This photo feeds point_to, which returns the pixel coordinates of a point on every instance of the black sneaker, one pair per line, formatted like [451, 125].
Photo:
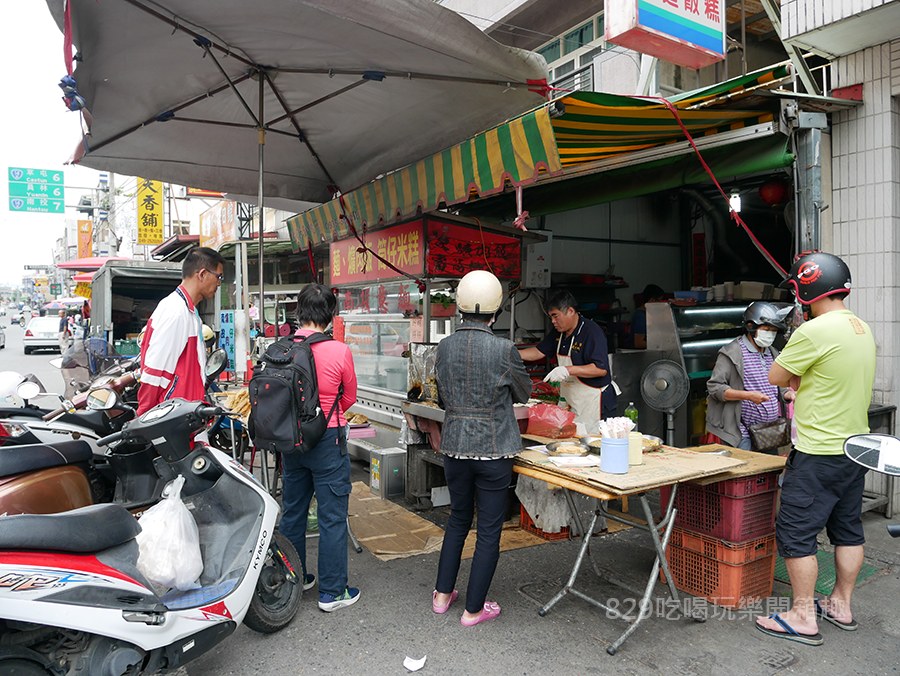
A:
[330, 603]
[309, 581]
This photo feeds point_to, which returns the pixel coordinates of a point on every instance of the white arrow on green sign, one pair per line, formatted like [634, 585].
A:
[36, 190]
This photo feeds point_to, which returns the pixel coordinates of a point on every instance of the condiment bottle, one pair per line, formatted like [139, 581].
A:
[635, 448]
[632, 413]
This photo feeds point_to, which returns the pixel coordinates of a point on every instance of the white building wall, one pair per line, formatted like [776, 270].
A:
[866, 202]
[802, 16]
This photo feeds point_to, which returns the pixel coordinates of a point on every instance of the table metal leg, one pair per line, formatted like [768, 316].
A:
[660, 542]
[585, 543]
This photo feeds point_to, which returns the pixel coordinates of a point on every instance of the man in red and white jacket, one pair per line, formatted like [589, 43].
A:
[173, 355]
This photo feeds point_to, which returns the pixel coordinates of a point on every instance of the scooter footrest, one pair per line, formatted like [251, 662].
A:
[178, 600]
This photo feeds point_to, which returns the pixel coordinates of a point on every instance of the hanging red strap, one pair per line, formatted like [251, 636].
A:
[345, 214]
[312, 265]
[735, 215]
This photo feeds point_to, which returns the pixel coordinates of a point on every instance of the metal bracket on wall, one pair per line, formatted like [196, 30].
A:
[803, 71]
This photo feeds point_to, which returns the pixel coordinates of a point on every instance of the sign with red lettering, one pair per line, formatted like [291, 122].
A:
[402, 245]
[454, 250]
[689, 33]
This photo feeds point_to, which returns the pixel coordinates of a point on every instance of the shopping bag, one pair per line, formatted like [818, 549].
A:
[547, 420]
[170, 543]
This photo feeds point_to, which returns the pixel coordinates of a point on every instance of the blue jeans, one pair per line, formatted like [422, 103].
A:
[487, 483]
[325, 471]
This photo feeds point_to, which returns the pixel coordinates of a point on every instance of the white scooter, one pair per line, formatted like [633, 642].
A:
[878, 452]
[72, 600]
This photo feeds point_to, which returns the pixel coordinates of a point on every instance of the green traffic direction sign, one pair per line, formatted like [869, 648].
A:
[36, 190]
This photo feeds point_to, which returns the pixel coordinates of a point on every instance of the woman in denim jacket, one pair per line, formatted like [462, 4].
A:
[479, 378]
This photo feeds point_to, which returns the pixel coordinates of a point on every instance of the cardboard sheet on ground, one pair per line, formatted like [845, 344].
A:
[670, 465]
[390, 532]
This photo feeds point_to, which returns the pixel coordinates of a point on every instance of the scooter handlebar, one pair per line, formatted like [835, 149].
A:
[106, 441]
[80, 401]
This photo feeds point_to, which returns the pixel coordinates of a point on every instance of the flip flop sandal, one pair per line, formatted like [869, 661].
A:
[790, 634]
[490, 611]
[852, 625]
[440, 610]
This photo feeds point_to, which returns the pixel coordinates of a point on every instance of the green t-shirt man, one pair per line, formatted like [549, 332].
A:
[835, 356]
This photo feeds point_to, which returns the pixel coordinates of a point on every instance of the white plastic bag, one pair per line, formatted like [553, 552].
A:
[170, 543]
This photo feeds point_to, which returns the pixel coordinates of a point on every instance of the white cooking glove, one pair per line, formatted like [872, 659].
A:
[557, 375]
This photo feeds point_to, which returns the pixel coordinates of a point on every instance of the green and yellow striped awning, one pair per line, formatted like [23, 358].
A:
[593, 126]
[514, 152]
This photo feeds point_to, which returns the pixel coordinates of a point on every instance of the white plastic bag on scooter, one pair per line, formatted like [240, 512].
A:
[170, 543]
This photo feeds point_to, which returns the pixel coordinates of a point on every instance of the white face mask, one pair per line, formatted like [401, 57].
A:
[764, 338]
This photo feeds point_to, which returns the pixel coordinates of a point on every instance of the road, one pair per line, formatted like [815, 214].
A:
[13, 358]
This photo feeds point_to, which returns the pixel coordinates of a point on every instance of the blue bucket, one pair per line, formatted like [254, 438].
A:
[614, 456]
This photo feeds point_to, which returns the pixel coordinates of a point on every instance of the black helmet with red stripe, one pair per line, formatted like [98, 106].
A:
[817, 275]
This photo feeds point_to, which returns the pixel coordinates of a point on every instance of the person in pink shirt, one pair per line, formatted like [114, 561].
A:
[325, 470]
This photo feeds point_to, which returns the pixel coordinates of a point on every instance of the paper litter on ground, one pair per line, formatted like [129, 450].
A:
[414, 665]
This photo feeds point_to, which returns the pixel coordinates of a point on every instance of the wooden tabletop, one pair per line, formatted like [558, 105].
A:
[666, 467]
[757, 463]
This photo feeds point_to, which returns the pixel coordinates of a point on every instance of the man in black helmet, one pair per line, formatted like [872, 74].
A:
[830, 361]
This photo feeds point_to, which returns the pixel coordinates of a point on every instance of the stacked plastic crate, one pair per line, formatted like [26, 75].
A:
[723, 543]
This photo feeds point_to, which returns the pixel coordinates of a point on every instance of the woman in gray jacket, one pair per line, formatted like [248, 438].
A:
[479, 378]
[739, 389]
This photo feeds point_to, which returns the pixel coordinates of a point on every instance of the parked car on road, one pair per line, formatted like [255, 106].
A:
[2, 338]
[42, 333]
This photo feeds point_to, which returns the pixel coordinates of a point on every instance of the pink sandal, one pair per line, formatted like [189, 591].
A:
[491, 610]
[440, 610]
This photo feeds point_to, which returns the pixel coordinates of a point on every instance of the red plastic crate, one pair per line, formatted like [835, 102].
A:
[724, 584]
[746, 485]
[737, 519]
[720, 550]
[527, 524]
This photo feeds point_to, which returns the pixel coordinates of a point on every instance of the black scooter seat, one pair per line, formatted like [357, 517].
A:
[88, 529]
[95, 421]
[19, 459]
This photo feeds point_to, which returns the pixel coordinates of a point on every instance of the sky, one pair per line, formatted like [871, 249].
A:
[38, 132]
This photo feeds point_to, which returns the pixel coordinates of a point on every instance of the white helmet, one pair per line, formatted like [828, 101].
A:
[479, 292]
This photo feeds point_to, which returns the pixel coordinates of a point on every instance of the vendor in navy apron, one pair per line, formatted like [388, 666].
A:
[583, 361]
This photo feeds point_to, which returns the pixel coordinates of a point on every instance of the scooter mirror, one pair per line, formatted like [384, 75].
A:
[215, 364]
[28, 390]
[102, 399]
[880, 452]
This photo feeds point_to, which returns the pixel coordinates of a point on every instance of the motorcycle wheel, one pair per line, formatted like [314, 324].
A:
[278, 591]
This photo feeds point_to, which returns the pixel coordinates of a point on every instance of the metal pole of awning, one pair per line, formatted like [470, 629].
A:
[262, 212]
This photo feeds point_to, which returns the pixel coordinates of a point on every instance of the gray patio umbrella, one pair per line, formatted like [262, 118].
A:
[352, 88]
[285, 98]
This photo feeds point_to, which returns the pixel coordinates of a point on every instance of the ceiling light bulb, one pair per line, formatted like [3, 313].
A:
[735, 201]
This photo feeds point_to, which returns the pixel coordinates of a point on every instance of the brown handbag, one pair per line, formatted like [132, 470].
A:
[769, 436]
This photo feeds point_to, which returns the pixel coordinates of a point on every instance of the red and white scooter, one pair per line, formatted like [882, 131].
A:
[73, 601]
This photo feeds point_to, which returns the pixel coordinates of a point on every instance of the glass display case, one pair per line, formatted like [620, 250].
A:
[703, 330]
[378, 343]
[692, 335]
[376, 326]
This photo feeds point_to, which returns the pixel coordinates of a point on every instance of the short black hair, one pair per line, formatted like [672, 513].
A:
[315, 305]
[473, 317]
[562, 300]
[201, 258]
[652, 291]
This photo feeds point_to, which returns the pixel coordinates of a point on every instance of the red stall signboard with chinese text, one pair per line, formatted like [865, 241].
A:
[401, 245]
[454, 250]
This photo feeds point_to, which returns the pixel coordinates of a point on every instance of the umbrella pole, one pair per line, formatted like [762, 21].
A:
[262, 212]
